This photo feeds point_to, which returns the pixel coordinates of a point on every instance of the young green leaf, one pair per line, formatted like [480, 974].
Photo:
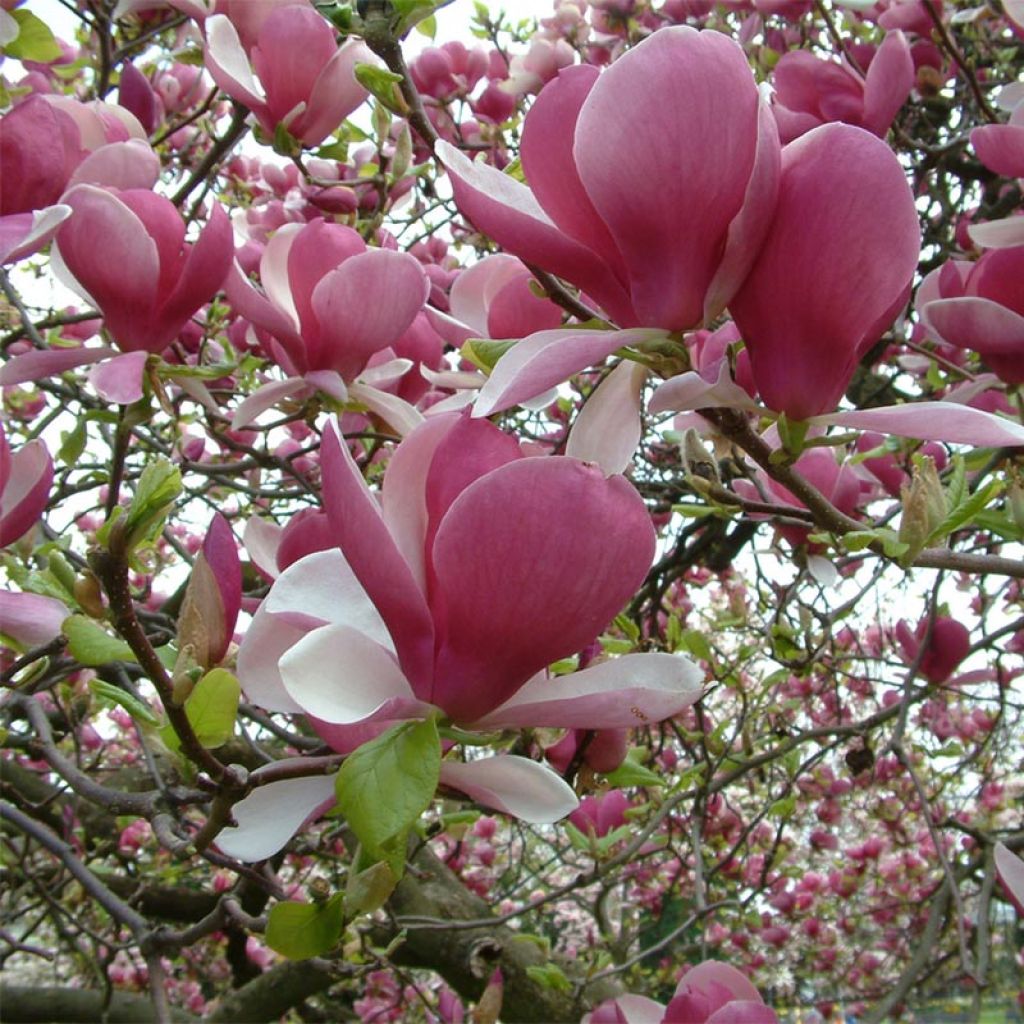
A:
[303, 930]
[34, 41]
[90, 644]
[213, 706]
[385, 785]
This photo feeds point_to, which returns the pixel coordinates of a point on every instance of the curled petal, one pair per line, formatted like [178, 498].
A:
[515, 785]
[607, 430]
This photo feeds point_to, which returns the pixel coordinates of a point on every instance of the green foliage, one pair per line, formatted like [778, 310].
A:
[385, 785]
[90, 644]
[211, 707]
[34, 42]
[299, 931]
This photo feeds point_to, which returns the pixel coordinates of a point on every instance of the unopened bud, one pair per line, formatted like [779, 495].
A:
[319, 890]
[924, 507]
[88, 594]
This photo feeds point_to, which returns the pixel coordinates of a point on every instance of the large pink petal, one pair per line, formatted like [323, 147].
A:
[404, 501]
[713, 972]
[120, 380]
[1000, 147]
[1010, 869]
[634, 690]
[862, 254]
[891, 76]
[688, 391]
[266, 396]
[607, 429]
[121, 165]
[998, 234]
[667, 177]
[750, 226]
[508, 212]
[122, 278]
[336, 93]
[934, 421]
[985, 326]
[22, 234]
[567, 548]
[228, 64]
[39, 363]
[295, 44]
[515, 785]
[376, 560]
[546, 150]
[364, 306]
[744, 1011]
[26, 490]
[396, 412]
[270, 815]
[204, 270]
[31, 619]
[548, 358]
[313, 252]
[627, 1009]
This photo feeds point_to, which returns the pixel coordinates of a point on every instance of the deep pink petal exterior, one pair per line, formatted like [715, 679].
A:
[682, 109]
[566, 546]
[29, 475]
[861, 255]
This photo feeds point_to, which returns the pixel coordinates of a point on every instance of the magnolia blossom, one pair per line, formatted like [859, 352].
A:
[980, 306]
[329, 305]
[710, 993]
[810, 91]
[25, 479]
[949, 642]
[650, 185]
[306, 83]
[477, 569]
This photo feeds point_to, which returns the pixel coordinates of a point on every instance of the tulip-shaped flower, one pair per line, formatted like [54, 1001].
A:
[980, 307]
[477, 569]
[832, 275]
[810, 91]
[25, 479]
[710, 993]
[213, 596]
[306, 83]
[147, 281]
[650, 185]
[948, 644]
[330, 305]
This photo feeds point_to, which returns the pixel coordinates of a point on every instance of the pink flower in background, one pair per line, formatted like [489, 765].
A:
[25, 479]
[304, 82]
[1010, 869]
[810, 91]
[710, 993]
[980, 307]
[948, 645]
[656, 217]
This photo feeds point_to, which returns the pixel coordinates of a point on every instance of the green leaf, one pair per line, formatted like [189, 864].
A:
[968, 509]
[302, 930]
[213, 706]
[379, 82]
[368, 890]
[90, 644]
[484, 353]
[108, 693]
[34, 41]
[385, 785]
[427, 27]
[159, 486]
[73, 444]
[632, 773]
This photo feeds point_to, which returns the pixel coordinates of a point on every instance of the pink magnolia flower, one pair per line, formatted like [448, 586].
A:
[1000, 147]
[948, 645]
[810, 91]
[330, 305]
[861, 255]
[656, 216]
[31, 620]
[49, 144]
[25, 479]
[447, 595]
[710, 993]
[980, 307]
[306, 82]
[214, 595]
[148, 281]
[601, 814]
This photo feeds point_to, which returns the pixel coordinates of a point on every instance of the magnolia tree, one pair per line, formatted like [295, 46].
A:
[522, 529]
